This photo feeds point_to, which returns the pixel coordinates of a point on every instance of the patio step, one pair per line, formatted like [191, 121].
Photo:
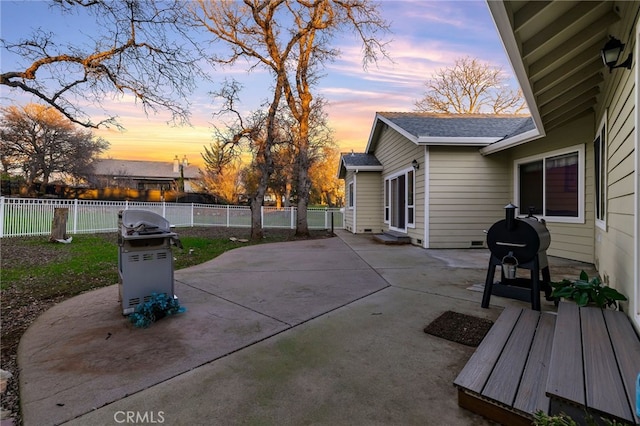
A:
[392, 237]
[505, 378]
[578, 359]
[594, 364]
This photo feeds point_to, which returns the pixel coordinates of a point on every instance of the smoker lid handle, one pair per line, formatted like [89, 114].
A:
[519, 245]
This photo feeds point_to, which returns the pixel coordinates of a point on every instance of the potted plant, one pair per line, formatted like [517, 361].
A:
[585, 291]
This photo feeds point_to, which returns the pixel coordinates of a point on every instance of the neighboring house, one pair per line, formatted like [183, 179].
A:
[145, 175]
[578, 165]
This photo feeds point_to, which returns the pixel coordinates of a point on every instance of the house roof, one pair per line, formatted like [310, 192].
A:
[137, 169]
[359, 162]
[424, 128]
[554, 49]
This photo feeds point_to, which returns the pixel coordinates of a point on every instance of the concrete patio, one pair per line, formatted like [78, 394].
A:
[325, 331]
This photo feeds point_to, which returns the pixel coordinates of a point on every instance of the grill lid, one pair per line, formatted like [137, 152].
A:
[520, 238]
[137, 224]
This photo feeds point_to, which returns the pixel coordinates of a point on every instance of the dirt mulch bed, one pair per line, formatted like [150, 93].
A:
[460, 328]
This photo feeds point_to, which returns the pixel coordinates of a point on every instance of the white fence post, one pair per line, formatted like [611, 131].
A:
[262, 216]
[75, 216]
[1, 217]
[192, 212]
[326, 218]
[228, 213]
[293, 224]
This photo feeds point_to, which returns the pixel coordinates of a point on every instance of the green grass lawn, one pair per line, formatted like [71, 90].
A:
[48, 270]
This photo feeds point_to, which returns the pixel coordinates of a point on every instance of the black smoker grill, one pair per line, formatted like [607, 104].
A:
[518, 243]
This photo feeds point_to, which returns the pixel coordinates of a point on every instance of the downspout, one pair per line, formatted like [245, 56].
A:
[636, 196]
[425, 241]
[355, 202]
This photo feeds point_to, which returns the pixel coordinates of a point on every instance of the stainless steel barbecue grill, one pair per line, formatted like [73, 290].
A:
[145, 261]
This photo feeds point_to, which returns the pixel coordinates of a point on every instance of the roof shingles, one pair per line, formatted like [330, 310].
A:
[423, 124]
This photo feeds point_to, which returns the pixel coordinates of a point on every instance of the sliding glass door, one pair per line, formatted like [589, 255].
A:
[399, 201]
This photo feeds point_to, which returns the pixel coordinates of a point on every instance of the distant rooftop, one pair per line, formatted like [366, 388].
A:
[358, 161]
[143, 169]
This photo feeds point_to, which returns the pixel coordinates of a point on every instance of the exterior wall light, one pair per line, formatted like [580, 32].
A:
[611, 54]
[415, 164]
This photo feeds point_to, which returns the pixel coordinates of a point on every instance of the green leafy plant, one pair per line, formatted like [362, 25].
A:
[540, 418]
[586, 291]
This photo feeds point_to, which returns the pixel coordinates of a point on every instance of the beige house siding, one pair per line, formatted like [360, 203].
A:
[614, 245]
[396, 153]
[568, 240]
[468, 193]
[369, 205]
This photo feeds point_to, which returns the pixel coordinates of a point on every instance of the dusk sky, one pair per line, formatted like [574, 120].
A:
[425, 36]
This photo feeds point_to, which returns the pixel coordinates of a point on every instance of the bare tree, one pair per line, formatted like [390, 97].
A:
[291, 39]
[41, 141]
[131, 52]
[260, 132]
[470, 87]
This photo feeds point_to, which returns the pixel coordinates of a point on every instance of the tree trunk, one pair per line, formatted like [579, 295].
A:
[287, 195]
[257, 200]
[302, 226]
[59, 224]
[256, 218]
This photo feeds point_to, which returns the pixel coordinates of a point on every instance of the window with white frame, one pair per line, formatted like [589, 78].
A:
[552, 185]
[399, 200]
[350, 194]
[600, 173]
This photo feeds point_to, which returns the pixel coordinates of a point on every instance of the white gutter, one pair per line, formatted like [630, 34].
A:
[365, 168]
[458, 140]
[520, 139]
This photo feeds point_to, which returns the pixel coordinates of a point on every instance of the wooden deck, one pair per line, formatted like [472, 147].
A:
[594, 364]
[531, 361]
[505, 378]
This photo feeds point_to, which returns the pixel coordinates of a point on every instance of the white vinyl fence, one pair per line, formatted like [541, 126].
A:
[25, 216]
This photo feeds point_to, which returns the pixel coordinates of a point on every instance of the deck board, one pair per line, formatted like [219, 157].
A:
[531, 393]
[627, 349]
[626, 346]
[504, 381]
[583, 358]
[566, 379]
[475, 373]
[604, 390]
